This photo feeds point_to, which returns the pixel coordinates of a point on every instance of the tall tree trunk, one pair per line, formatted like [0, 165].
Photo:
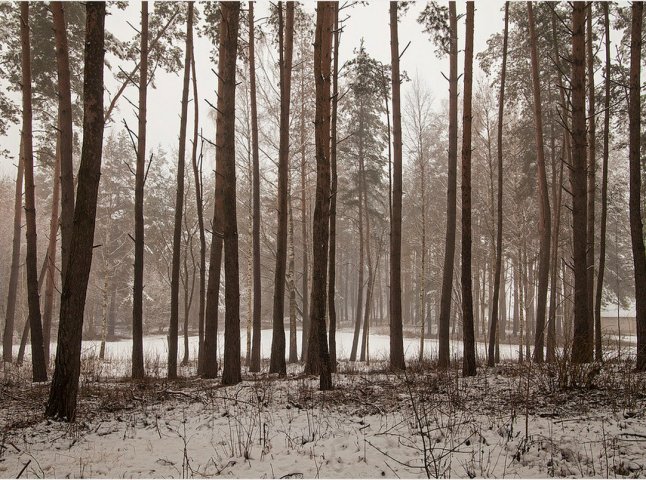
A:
[636, 224]
[396, 333]
[306, 312]
[226, 195]
[604, 189]
[14, 272]
[197, 177]
[591, 172]
[39, 368]
[583, 331]
[333, 187]
[557, 194]
[293, 351]
[493, 331]
[451, 197]
[370, 282]
[544, 220]
[64, 388]
[257, 287]
[179, 204]
[286, 44]
[359, 302]
[64, 131]
[318, 358]
[140, 174]
[469, 359]
[50, 282]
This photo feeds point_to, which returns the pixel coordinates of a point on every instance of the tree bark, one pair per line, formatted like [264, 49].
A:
[544, 220]
[396, 333]
[451, 197]
[318, 358]
[636, 224]
[469, 359]
[333, 187]
[226, 195]
[257, 286]
[493, 331]
[286, 46]
[179, 204]
[64, 388]
[604, 189]
[39, 368]
[293, 351]
[140, 174]
[583, 332]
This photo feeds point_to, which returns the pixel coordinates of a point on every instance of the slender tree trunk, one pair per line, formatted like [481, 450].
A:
[583, 331]
[469, 359]
[50, 282]
[604, 189]
[197, 176]
[370, 282]
[591, 173]
[544, 220]
[140, 174]
[318, 358]
[39, 368]
[14, 273]
[293, 353]
[64, 131]
[179, 204]
[493, 331]
[451, 197]
[286, 44]
[305, 278]
[257, 287]
[64, 388]
[636, 224]
[226, 195]
[396, 333]
[333, 187]
[359, 302]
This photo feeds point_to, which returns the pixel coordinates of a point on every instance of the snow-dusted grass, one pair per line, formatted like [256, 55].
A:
[510, 421]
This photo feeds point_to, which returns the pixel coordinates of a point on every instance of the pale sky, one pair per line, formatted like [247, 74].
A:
[370, 21]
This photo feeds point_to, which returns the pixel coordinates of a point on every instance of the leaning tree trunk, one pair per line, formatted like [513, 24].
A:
[39, 368]
[257, 286]
[64, 389]
[583, 333]
[493, 331]
[331, 294]
[544, 220]
[636, 225]
[318, 358]
[179, 204]
[451, 198]
[140, 174]
[604, 189]
[396, 333]
[226, 195]
[197, 177]
[14, 272]
[50, 282]
[286, 46]
[469, 359]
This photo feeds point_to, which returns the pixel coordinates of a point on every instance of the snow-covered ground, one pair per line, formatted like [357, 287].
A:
[507, 422]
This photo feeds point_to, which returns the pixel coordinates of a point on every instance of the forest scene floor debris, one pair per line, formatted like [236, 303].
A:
[509, 421]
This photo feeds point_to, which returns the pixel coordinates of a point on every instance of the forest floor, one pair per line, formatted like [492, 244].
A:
[509, 421]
